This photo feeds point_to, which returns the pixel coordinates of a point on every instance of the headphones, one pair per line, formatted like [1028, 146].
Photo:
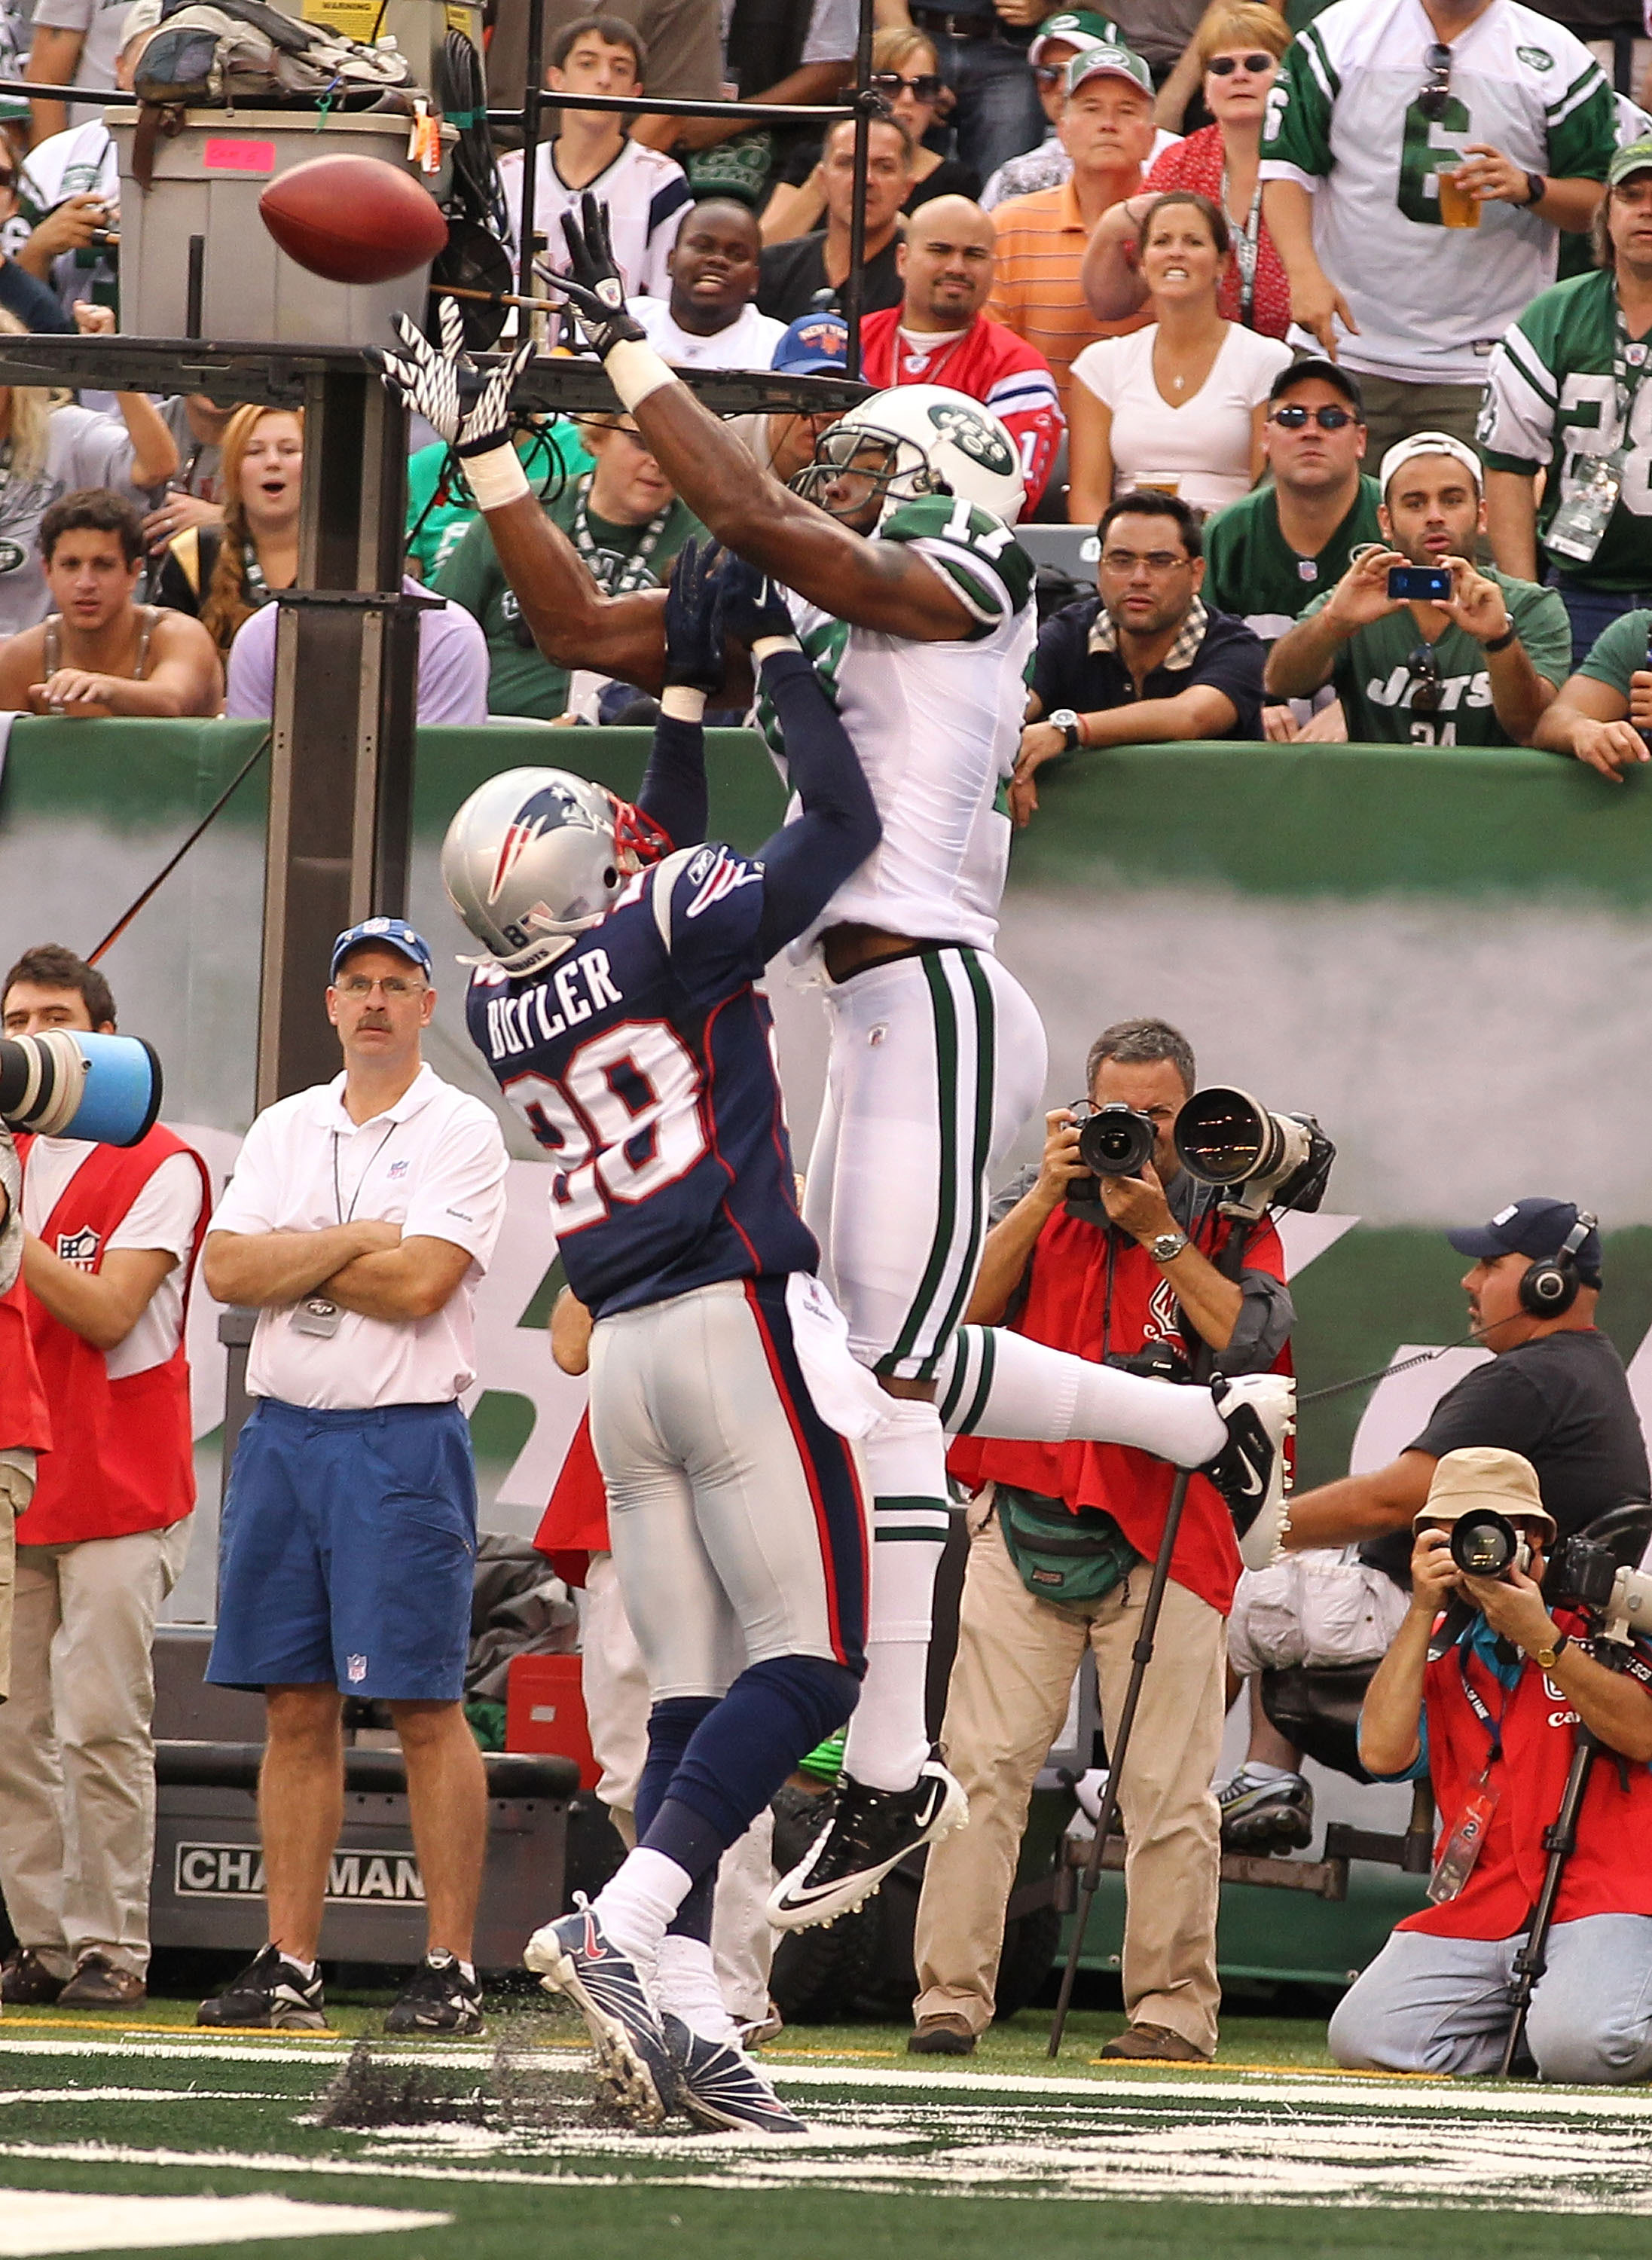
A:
[1548, 1289]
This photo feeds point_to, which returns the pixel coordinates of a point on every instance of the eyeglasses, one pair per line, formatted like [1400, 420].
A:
[1225, 66]
[1049, 74]
[1156, 561]
[1424, 671]
[928, 87]
[1293, 417]
[358, 987]
[1437, 93]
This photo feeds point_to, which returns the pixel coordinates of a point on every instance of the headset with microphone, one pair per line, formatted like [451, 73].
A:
[1550, 1287]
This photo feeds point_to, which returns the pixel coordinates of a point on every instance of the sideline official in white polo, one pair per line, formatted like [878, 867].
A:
[360, 1218]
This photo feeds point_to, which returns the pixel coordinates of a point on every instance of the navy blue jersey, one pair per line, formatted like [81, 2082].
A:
[642, 1061]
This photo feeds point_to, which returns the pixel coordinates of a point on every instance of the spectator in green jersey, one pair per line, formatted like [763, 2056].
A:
[1603, 716]
[1476, 668]
[628, 525]
[1566, 395]
[1291, 539]
[440, 506]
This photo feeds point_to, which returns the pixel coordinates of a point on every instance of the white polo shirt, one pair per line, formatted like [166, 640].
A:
[435, 1164]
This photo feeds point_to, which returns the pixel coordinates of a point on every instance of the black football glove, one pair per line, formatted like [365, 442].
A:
[751, 606]
[593, 285]
[470, 410]
[693, 639]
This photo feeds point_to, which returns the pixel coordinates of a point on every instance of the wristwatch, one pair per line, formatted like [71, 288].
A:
[1545, 1658]
[1065, 720]
[1501, 642]
[1165, 1247]
[1536, 190]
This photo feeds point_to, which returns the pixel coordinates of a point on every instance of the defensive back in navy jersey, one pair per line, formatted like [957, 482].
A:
[642, 1061]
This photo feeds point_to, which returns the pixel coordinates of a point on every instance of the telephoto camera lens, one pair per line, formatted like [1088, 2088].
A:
[1225, 1137]
[1115, 1141]
[1485, 1543]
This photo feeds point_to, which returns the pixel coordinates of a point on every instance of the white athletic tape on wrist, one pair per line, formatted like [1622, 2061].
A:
[682, 702]
[635, 371]
[496, 477]
[764, 645]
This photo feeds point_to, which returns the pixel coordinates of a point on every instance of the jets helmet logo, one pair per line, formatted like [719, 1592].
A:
[550, 804]
[975, 435]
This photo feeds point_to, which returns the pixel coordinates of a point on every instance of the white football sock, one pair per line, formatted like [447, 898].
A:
[906, 1460]
[639, 1901]
[686, 1985]
[994, 1382]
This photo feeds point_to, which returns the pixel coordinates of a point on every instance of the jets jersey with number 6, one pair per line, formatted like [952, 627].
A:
[642, 1061]
[936, 727]
[1551, 397]
[1345, 120]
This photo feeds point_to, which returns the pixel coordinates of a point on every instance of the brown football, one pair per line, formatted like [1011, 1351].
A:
[353, 220]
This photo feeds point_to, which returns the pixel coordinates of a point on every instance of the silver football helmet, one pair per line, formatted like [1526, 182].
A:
[530, 861]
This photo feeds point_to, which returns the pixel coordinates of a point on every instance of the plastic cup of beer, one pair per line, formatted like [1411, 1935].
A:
[1458, 207]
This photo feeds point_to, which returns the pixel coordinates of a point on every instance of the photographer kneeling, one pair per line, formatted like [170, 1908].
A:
[1492, 1722]
[1061, 1558]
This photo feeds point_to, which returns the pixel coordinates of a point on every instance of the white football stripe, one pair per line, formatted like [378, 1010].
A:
[64, 2221]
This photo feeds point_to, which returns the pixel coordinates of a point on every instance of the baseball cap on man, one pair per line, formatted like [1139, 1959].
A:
[1075, 27]
[1634, 157]
[1329, 372]
[1534, 1227]
[1482, 1476]
[1107, 59]
[815, 345]
[388, 934]
[1428, 443]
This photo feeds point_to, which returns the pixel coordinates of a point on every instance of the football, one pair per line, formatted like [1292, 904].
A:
[353, 220]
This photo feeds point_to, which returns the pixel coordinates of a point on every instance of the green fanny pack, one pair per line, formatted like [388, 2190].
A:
[1072, 1555]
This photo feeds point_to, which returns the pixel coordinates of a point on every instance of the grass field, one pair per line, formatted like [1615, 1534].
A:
[120, 2134]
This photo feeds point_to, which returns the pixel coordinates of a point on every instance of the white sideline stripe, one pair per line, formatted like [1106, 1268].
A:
[1182, 2092]
[62, 2221]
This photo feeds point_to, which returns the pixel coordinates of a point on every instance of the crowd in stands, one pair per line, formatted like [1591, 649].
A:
[1239, 256]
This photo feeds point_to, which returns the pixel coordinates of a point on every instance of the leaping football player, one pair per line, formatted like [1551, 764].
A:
[913, 600]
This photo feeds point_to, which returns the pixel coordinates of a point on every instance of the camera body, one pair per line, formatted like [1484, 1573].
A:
[1486, 1544]
[1420, 584]
[1114, 1142]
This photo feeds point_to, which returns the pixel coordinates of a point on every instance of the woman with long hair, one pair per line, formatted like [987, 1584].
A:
[907, 73]
[1238, 46]
[223, 575]
[1178, 406]
[48, 447]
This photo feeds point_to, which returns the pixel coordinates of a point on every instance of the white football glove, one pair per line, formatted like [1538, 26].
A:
[470, 411]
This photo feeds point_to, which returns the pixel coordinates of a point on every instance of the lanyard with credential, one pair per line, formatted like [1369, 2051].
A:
[1463, 1847]
[344, 1215]
[316, 1314]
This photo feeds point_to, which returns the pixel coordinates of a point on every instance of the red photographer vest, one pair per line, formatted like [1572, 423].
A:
[23, 1420]
[1067, 1307]
[123, 1459]
[575, 1524]
[1611, 1870]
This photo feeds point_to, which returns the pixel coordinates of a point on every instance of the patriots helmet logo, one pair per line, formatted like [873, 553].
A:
[551, 805]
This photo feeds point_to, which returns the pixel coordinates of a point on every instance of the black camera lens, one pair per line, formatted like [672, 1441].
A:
[1116, 1141]
[1485, 1543]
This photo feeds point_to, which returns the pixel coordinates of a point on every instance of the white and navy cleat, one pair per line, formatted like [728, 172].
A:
[718, 2085]
[868, 1832]
[574, 1956]
[1252, 1469]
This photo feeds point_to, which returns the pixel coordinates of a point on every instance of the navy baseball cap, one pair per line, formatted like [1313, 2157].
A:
[390, 934]
[1329, 372]
[815, 345]
[1534, 1227]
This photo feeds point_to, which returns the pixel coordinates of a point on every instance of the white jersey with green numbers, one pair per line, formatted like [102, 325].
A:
[937, 726]
[1551, 398]
[1344, 121]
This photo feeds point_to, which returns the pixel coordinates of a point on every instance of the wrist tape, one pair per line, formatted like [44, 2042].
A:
[635, 371]
[496, 477]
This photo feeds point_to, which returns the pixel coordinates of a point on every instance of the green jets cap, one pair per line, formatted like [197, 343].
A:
[1635, 158]
[1108, 59]
[1075, 27]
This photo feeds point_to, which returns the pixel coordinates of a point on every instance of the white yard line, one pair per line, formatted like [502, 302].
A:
[36, 2222]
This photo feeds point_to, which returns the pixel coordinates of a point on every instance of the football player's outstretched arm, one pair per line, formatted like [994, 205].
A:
[673, 793]
[868, 584]
[805, 863]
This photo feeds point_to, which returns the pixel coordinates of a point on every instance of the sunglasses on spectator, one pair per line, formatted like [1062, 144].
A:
[1437, 92]
[1424, 670]
[1049, 74]
[928, 87]
[1328, 420]
[1225, 66]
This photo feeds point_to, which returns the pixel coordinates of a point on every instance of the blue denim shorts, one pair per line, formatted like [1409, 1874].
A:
[346, 1553]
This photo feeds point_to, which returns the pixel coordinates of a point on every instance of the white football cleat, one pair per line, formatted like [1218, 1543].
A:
[1251, 1470]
